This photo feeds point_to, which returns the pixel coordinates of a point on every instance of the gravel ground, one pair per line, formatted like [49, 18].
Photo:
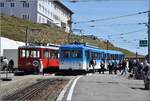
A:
[21, 82]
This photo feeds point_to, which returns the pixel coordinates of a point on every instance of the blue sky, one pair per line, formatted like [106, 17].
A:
[86, 10]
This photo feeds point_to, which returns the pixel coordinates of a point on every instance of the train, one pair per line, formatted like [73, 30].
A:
[73, 56]
[78, 56]
[38, 59]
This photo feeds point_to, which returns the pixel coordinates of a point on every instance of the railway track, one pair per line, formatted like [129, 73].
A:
[41, 91]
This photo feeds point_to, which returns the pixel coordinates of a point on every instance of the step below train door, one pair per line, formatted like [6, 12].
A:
[87, 59]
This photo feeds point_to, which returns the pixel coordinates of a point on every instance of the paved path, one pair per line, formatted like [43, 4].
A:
[105, 87]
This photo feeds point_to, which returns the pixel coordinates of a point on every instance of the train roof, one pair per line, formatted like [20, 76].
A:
[113, 52]
[85, 46]
[80, 46]
[48, 47]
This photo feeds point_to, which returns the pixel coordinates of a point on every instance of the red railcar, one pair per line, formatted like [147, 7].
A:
[38, 58]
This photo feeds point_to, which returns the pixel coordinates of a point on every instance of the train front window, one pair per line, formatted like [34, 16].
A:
[72, 53]
[24, 53]
[76, 54]
[34, 53]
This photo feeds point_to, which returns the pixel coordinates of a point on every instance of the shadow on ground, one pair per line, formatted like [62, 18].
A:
[138, 88]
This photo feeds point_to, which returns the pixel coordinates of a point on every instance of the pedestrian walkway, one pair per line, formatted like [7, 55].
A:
[105, 87]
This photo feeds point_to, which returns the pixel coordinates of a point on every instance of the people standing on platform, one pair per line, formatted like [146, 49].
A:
[93, 63]
[115, 67]
[11, 65]
[146, 74]
[134, 67]
[130, 66]
[102, 65]
[124, 67]
[120, 66]
[110, 68]
[139, 70]
[137, 67]
[112, 65]
[5, 63]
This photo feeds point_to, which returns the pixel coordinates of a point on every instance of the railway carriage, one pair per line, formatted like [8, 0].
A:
[38, 58]
[112, 55]
[77, 56]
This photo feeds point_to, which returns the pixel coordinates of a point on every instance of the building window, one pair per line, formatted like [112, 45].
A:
[43, 8]
[43, 20]
[25, 16]
[39, 18]
[40, 6]
[25, 5]
[12, 4]
[2, 4]
[63, 25]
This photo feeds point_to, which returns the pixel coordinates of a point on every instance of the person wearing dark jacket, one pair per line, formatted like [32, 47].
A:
[93, 63]
[102, 67]
[146, 75]
[130, 66]
[124, 66]
[11, 65]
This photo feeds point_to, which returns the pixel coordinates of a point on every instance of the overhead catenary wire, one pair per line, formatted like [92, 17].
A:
[115, 24]
[111, 18]
[75, 1]
[131, 32]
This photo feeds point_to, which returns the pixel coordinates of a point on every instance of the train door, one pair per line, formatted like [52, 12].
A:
[46, 58]
[87, 59]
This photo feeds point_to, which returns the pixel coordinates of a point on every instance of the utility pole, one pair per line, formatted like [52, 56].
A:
[107, 44]
[26, 34]
[70, 29]
[136, 55]
[149, 33]
[26, 40]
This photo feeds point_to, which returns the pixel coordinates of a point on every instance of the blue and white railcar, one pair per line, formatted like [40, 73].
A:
[78, 57]
[111, 56]
[114, 55]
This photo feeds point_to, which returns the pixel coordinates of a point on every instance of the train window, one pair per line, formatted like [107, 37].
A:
[76, 54]
[38, 53]
[87, 54]
[23, 53]
[92, 54]
[72, 53]
[56, 54]
[116, 57]
[27, 53]
[34, 53]
[66, 53]
[46, 54]
[96, 55]
[53, 54]
[99, 56]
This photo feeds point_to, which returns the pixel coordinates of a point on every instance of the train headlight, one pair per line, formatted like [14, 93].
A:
[35, 63]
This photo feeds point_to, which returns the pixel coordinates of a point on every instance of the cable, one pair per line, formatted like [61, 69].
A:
[75, 1]
[113, 24]
[111, 18]
[126, 33]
